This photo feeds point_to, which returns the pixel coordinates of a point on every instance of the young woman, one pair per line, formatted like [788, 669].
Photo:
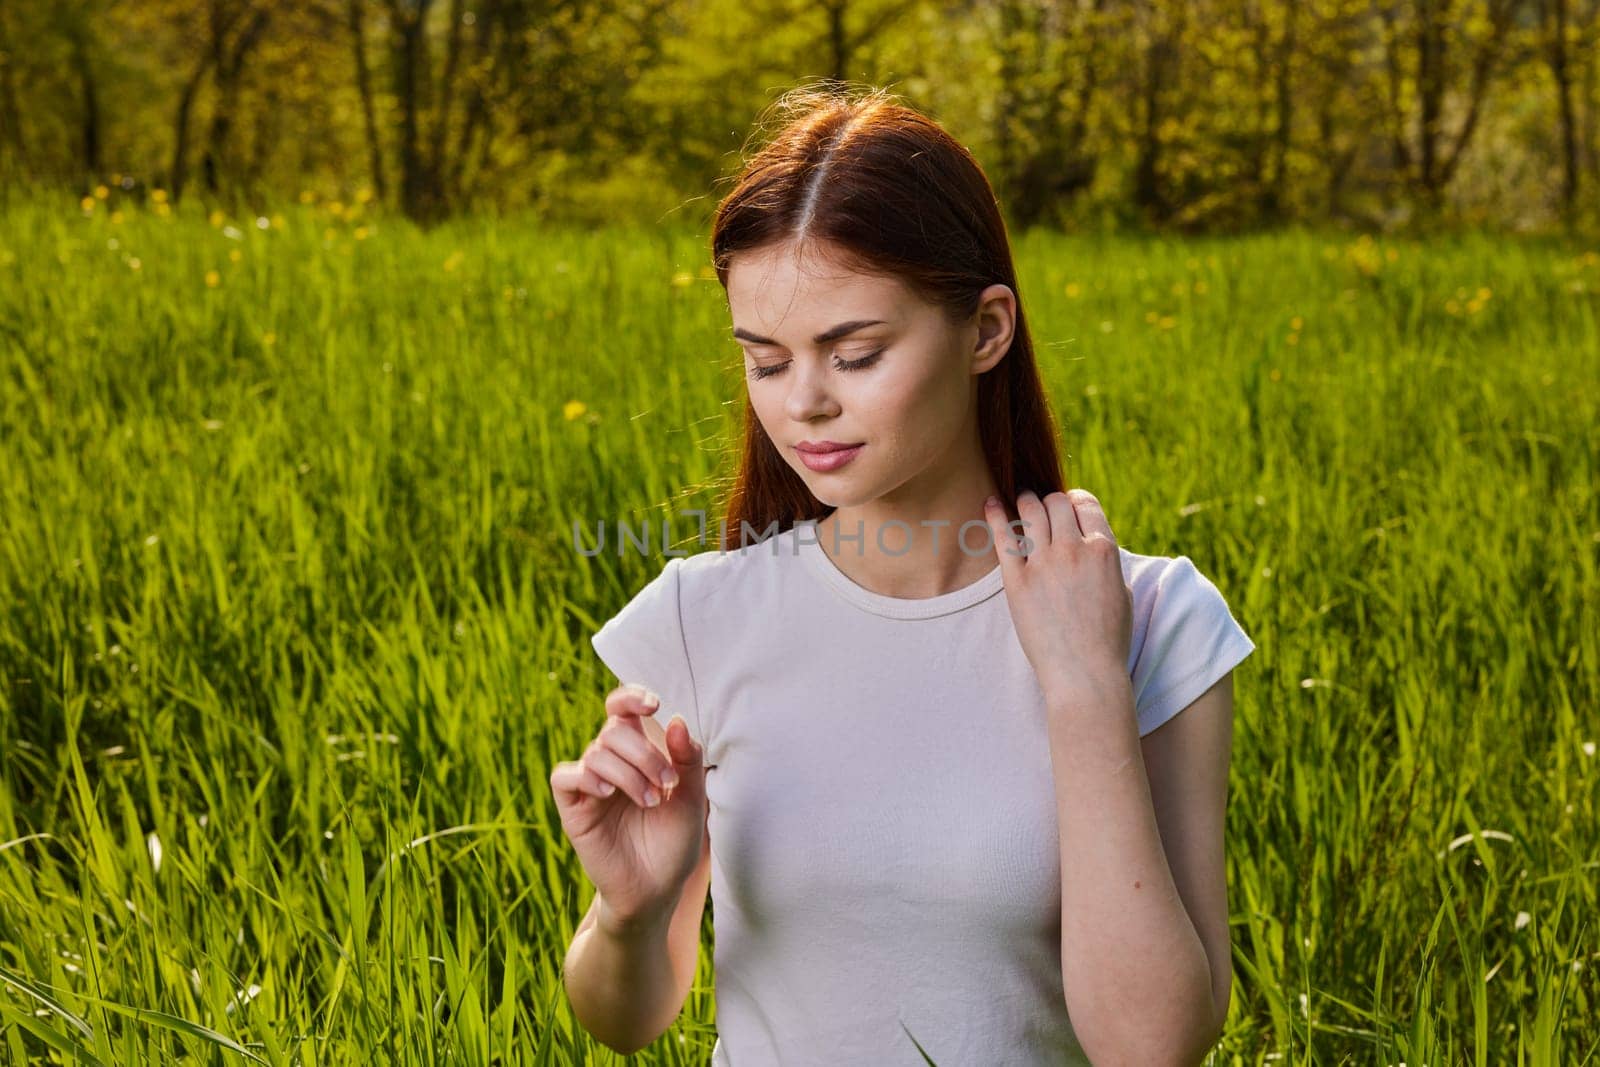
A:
[952, 763]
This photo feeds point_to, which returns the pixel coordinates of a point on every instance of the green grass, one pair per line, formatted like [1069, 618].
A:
[289, 588]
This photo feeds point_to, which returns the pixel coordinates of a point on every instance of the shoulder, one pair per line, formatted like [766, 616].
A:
[1152, 579]
[714, 578]
[1149, 578]
[1185, 637]
[1140, 571]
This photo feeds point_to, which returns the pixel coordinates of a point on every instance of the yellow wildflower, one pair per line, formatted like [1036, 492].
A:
[213, 279]
[573, 409]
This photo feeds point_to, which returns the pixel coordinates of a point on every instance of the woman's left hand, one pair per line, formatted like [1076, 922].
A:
[1071, 609]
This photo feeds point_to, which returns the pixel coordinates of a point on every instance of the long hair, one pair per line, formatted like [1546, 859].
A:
[879, 187]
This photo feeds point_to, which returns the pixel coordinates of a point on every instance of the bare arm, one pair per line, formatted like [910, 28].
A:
[1144, 905]
[627, 979]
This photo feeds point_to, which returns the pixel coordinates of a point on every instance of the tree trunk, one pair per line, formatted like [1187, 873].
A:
[89, 119]
[356, 14]
[1277, 189]
[218, 159]
[1553, 20]
[10, 111]
[418, 195]
[838, 42]
[178, 173]
[1160, 65]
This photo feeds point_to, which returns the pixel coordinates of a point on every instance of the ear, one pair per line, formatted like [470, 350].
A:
[997, 323]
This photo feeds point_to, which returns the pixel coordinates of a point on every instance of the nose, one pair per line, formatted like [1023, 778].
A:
[809, 396]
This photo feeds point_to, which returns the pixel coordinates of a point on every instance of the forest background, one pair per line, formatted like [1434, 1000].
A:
[1178, 114]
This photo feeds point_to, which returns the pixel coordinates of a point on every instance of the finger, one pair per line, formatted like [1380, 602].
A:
[570, 781]
[631, 700]
[994, 513]
[650, 759]
[683, 748]
[619, 772]
[1035, 521]
[1063, 518]
[1091, 516]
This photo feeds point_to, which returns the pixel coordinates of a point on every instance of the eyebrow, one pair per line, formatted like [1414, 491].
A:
[831, 334]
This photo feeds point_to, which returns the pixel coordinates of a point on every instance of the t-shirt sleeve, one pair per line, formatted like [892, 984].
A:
[644, 643]
[1191, 641]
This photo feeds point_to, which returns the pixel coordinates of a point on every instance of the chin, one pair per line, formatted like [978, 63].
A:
[847, 488]
[842, 496]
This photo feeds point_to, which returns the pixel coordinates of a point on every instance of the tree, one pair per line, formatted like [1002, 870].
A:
[1433, 48]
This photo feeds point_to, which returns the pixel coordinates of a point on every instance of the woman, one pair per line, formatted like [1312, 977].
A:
[934, 819]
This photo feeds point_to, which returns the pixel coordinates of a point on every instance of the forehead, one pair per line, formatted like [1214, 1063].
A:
[776, 292]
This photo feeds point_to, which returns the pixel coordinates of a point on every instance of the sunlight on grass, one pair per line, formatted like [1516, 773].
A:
[295, 628]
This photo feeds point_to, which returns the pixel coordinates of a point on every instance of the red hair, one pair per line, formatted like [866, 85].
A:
[873, 184]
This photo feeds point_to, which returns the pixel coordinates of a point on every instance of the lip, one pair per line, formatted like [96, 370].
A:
[825, 446]
[826, 455]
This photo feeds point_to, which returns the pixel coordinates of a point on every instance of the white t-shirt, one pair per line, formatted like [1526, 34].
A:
[884, 853]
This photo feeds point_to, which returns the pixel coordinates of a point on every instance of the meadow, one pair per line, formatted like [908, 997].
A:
[294, 627]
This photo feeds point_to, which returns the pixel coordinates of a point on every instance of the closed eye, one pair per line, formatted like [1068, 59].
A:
[842, 364]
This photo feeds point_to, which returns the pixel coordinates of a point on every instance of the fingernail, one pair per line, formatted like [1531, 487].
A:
[651, 798]
[669, 778]
[606, 789]
[992, 502]
[652, 701]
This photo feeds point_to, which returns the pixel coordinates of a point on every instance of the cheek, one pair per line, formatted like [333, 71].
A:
[918, 412]
[769, 406]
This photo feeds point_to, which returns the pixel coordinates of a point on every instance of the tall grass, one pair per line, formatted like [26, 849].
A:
[294, 627]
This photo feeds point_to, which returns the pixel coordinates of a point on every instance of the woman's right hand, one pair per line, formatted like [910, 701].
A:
[637, 855]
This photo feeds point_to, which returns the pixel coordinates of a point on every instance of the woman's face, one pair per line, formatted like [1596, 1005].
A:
[858, 359]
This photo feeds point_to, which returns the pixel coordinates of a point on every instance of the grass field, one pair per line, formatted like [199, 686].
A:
[294, 627]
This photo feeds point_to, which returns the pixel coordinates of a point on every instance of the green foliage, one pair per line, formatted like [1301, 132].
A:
[1204, 115]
